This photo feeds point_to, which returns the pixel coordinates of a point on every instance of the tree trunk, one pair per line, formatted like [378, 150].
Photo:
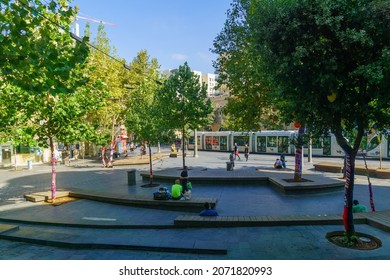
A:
[299, 154]
[53, 171]
[348, 194]
[183, 145]
[150, 166]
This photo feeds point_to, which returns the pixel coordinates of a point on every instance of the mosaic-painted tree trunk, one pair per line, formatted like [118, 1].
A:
[299, 154]
[112, 149]
[103, 154]
[348, 195]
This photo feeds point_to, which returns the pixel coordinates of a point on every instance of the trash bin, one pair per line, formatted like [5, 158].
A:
[29, 164]
[229, 166]
[131, 177]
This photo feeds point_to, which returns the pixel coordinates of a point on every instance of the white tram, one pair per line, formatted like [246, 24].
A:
[276, 142]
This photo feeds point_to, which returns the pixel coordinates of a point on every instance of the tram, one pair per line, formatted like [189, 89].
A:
[276, 142]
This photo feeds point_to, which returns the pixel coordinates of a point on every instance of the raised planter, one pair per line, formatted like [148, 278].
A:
[383, 173]
[364, 241]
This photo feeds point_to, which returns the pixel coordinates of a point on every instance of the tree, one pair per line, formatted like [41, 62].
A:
[329, 63]
[47, 67]
[183, 103]
[237, 68]
[110, 69]
[142, 116]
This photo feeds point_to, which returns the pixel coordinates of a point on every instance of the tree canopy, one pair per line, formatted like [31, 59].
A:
[142, 113]
[237, 66]
[44, 75]
[183, 102]
[327, 64]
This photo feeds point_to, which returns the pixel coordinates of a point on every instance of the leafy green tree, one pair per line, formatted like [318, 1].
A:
[183, 102]
[329, 63]
[47, 66]
[237, 68]
[109, 68]
[142, 117]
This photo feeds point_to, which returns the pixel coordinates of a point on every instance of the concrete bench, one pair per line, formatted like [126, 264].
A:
[359, 170]
[328, 167]
[195, 204]
[256, 221]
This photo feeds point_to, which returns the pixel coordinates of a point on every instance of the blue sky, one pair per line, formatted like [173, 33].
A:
[173, 31]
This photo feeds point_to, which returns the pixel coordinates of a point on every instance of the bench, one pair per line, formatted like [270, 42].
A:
[359, 170]
[195, 204]
[328, 167]
[256, 221]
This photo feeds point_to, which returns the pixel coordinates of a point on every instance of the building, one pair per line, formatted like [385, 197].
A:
[210, 80]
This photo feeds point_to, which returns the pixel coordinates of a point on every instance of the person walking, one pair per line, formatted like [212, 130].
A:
[236, 152]
[246, 152]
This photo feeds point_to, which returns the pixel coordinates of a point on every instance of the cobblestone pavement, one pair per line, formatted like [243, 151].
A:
[294, 242]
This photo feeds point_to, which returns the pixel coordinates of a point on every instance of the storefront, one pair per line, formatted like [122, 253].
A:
[5, 154]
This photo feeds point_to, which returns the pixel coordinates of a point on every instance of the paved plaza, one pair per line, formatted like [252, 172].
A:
[88, 229]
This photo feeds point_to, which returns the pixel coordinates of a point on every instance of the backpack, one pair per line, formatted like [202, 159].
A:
[161, 196]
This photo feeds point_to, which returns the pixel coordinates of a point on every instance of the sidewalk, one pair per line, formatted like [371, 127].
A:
[128, 232]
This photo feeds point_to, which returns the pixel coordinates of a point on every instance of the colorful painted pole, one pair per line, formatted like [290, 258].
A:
[348, 196]
[103, 157]
[299, 155]
[112, 148]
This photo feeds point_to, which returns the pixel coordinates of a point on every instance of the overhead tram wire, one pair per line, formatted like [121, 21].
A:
[74, 36]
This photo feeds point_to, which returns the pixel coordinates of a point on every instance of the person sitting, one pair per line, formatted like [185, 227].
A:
[173, 148]
[358, 208]
[283, 159]
[278, 164]
[176, 190]
[162, 194]
[208, 211]
[184, 179]
[231, 159]
[188, 193]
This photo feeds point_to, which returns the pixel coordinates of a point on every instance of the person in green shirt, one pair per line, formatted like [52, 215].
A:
[176, 191]
[356, 208]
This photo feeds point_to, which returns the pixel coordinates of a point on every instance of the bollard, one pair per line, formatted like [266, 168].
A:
[29, 164]
[131, 181]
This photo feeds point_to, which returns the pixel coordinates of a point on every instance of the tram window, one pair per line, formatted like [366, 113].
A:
[216, 140]
[261, 144]
[191, 140]
[223, 143]
[388, 146]
[283, 144]
[271, 143]
[315, 144]
[241, 140]
[208, 142]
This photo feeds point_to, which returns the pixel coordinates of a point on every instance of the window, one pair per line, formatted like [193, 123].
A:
[261, 144]
[209, 140]
[223, 143]
[241, 140]
[272, 141]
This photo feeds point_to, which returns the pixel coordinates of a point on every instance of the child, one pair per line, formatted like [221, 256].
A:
[188, 193]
